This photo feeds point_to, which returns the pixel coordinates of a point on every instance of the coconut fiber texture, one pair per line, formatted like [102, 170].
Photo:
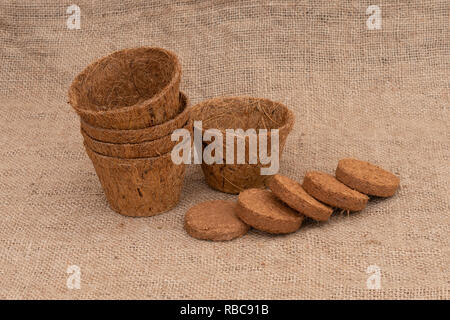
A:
[292, 193]
[262, 210]
[140, 135]
[367, 178]
[377, 95]
[326, 188]
[241, 113]
[214, 220]
[128, 89]
[144, 149]
[139, 187]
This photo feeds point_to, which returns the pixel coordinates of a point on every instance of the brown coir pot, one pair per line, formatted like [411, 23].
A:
[241, 113]
[128, 89]
[144, 134]
[139, 187]
[144, 149]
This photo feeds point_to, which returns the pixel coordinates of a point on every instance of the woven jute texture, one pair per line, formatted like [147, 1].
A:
[378, 95]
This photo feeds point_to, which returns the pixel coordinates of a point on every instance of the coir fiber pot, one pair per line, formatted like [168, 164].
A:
[128, 89]
[241, 113]
[144, 149]
[139, 187]
[141, 135]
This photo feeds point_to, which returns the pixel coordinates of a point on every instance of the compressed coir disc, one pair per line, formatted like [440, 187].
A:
[214, 220]
[262, 210]
[367, 178]
[292, 193]
[327, 189]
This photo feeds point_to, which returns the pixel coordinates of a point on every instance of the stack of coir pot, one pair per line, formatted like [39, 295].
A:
[129, 104]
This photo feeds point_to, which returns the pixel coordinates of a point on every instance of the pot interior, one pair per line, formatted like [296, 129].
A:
[124, 78]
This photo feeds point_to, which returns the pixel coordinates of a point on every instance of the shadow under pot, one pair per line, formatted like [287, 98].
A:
[246, 157]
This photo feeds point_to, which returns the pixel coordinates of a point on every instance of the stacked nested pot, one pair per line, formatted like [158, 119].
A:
[129, 104]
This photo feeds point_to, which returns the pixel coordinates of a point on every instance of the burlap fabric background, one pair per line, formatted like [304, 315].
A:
[380, 95]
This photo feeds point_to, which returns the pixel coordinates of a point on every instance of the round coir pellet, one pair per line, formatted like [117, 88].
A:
[292, 193]
[214, 220]
[327, 189]
[262, 210]
[367, 178]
